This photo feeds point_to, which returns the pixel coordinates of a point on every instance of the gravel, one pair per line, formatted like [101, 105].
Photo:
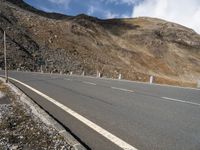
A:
[20, 130]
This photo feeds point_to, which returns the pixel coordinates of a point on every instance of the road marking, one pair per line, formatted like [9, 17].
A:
[119, 142]
[182, 101]
[121, 89]
[54, 77]
[89, 83]
[139, 82]
[67, 79]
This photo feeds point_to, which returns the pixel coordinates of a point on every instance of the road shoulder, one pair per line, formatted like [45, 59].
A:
[44, 117]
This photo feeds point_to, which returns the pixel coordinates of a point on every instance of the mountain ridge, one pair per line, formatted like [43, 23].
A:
[136, 48]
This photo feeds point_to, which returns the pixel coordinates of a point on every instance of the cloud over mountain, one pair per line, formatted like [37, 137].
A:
[185, 12]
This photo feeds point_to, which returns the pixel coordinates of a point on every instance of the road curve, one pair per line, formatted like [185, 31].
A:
[143, 116]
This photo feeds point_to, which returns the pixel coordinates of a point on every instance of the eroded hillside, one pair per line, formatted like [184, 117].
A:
[136, 48]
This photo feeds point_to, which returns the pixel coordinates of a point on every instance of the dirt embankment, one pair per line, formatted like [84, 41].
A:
[135, 47]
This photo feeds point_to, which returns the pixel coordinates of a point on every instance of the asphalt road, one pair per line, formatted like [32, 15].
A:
[148, 117]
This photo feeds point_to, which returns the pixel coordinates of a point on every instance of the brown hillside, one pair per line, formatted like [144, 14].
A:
[136, 47]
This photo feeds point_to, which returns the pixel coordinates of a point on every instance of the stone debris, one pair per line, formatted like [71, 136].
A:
[20, 130]
[136, 47]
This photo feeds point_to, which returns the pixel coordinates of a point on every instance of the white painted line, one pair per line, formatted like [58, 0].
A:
[121, 89]
[140, 82]
[182, 101]
[119, 142]
[123, 80]
[89, 83]
[67, 79]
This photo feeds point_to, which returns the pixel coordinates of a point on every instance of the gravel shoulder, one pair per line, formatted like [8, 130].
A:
[21, 129]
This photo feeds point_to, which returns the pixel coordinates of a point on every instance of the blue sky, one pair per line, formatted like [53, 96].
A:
[100, 8]
[185, 12]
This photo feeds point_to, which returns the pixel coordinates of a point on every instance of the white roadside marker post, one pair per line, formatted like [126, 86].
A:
[198, 84]
[98, 74]
[151, 80]
[41, 69]
[83, 74]
[120, 76]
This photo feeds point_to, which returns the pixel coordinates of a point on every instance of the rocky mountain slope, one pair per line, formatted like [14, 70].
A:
[136, 48]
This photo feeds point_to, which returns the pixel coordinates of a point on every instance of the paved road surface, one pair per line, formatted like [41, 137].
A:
[148, 117]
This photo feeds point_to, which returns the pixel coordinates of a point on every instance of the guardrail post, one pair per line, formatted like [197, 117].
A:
[83, 73]
[120, 76]
[98, 74]
[198, 84]
[151, 80]
[41, 69]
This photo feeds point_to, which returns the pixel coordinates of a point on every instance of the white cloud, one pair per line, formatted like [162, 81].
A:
[91, 10]
[58, 1]
[64, 3]
[129, 2]
[185, 12]
[125, 16]
[110, 15]
[96, 8]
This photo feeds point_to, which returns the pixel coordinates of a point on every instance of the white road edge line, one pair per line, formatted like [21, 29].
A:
[119, 142]
[121, 89]
[89, 83]
[182, 101]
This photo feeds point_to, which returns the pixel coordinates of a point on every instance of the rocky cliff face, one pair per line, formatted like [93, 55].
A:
[136, 47]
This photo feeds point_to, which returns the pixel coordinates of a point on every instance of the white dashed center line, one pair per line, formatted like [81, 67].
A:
[89, 83]
[182, 101]
[67, 79]
[121, 89]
